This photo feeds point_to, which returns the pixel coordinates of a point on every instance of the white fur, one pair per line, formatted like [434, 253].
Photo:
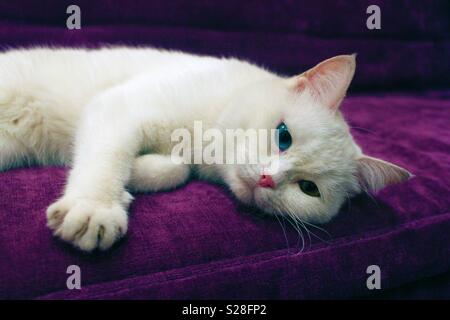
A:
[109, 114]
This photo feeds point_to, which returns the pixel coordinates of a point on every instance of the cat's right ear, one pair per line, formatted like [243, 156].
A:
[329, 80]
[374, 174]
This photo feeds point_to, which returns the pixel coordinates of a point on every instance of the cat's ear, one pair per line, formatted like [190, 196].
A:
[374, 174]
[329, 80]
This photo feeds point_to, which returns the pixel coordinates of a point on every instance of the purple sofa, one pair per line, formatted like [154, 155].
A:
[197, 241]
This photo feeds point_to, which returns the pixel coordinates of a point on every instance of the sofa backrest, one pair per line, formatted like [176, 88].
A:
[410, 51]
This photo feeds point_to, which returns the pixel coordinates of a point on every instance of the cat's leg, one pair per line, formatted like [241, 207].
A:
[12, 152]
[31, 132]
[93, 211]
[8, 151]
[155, 172]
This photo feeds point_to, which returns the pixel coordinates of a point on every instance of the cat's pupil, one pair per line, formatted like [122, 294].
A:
[284, 137]
[309, 188]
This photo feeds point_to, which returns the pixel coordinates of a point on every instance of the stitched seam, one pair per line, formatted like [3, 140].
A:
[252, 258]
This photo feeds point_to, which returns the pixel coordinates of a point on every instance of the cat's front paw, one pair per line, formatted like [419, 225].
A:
[87, 224]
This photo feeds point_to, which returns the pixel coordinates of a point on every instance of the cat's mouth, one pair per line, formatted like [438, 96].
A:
[249, 190]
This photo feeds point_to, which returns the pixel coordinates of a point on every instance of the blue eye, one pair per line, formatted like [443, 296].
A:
[284, 137]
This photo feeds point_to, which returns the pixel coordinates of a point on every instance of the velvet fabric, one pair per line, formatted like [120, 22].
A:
[198, 241]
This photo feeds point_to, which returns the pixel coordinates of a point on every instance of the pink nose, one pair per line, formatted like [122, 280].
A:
[266, 181]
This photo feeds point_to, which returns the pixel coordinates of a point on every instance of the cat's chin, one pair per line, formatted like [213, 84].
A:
[260, 200]
[252, 195]
[243, 182]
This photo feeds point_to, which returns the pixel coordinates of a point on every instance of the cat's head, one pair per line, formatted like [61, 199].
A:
[319, 163]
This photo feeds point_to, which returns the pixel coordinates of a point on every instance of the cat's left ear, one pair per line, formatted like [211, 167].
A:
[329, 80]
[374, 174]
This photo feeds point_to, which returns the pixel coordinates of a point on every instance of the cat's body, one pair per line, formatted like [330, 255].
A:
[110, 114]
[51, 88]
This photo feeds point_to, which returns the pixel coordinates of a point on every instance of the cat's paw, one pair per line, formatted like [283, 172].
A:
[87, 224]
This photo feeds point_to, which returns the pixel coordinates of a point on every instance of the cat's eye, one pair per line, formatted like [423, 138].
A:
[284, 137]
[309, 188]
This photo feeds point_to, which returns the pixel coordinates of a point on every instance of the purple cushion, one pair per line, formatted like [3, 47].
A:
[197, 242]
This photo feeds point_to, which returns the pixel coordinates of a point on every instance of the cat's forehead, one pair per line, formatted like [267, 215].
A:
[321, 141]
[319, 157]
[309, 121]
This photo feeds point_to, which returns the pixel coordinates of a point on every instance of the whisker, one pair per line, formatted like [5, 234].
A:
[320, 229]
[296, 228]
[294, 224]
[284, 232]
[305, 223]
[307, 230]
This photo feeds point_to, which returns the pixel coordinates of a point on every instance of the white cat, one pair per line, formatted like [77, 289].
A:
[110, 113]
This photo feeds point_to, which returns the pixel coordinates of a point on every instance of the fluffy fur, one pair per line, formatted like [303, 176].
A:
[109, 114]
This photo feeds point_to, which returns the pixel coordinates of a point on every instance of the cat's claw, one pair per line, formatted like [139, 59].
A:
[87, 224]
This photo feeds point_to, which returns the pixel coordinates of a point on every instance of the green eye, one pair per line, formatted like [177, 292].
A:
[284, 137]
[309, 188]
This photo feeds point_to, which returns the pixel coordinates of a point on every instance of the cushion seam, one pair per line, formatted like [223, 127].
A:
[275, 254]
